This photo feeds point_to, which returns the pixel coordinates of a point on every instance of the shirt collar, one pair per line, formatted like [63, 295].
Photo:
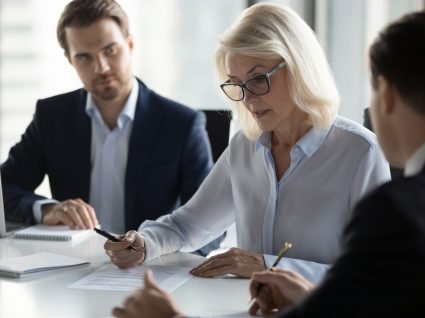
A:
[309, 143]
[127, 112]
[416, 162]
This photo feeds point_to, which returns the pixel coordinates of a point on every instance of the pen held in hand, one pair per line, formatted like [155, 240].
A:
[279, 256]
[114, 238]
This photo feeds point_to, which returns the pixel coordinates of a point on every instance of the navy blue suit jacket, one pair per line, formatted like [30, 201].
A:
[169, 156]
[381, 272]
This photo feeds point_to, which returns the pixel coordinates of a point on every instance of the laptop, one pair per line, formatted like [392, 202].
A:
[6, 228]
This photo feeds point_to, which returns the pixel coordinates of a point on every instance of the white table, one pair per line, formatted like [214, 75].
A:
[44, 294]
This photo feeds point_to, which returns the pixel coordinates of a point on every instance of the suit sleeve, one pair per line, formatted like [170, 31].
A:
[381, 271]
[23, 172]
[196, 160]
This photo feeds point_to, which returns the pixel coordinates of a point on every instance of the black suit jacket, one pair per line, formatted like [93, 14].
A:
[169, 156]
[381, 272]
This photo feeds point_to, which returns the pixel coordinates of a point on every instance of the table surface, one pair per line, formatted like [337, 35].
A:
[44, 294]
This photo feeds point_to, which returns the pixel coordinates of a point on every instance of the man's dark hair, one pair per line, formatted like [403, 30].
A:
[82, 13]
[398, 54]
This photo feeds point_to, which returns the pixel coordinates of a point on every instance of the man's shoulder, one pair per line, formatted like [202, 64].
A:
[63, 100]
[402, 189]
[78, 93]
[403, 198]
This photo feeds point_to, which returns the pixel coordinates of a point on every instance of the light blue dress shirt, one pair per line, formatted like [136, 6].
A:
[331, 169]
[108, 162]
[109, 150]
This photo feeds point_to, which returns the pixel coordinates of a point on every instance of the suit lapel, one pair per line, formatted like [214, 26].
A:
[81, 143]
[146, 125]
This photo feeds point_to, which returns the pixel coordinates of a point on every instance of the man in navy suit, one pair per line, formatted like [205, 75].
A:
[381, 272]
[115, 152]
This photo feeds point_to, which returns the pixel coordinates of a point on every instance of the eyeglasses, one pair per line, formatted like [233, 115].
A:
[258, 85]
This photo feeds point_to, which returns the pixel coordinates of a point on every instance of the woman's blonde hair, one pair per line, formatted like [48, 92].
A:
[271, 31]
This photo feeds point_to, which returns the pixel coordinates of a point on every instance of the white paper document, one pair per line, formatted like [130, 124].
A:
[110, 277]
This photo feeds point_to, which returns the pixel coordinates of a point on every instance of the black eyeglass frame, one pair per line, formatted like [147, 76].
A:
[244, 85]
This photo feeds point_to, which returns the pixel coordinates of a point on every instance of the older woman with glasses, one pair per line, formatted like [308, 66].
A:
[291, 175]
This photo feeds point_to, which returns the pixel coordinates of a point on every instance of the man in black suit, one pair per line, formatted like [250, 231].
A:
[114, 151]
[381, 272]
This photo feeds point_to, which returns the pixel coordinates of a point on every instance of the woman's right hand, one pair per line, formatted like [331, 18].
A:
[123, 257]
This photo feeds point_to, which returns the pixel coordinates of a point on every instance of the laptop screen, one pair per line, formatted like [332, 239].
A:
[6, 228]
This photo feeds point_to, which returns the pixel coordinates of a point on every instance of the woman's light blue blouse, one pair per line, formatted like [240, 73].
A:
[330, 170]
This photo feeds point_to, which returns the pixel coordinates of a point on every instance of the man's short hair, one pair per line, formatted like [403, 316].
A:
[398, 54]
[82, 13]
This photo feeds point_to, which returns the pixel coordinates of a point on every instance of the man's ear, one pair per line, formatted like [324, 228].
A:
[387, 94]
[130, 41]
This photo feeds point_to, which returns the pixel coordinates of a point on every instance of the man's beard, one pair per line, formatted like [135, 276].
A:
[108, 93]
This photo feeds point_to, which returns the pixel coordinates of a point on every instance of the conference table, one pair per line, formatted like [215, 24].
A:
[45, 294]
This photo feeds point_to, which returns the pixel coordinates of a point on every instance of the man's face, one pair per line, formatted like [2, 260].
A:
[101, 55]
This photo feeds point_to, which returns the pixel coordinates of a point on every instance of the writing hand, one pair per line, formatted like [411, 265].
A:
[123, 257]
[280, 289]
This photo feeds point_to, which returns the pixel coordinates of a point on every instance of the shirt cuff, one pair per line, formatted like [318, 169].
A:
[36, 208]
[312, 271]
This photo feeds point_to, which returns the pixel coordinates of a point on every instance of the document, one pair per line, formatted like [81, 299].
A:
[18, 266]
[110, 277]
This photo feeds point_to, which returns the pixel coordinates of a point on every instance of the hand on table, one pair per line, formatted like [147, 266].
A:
[280, 289]
[235, 261]
[150, 302]
[120, 255]
[76, 214]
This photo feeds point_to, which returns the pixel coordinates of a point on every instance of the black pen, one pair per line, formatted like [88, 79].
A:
[282, 252]
[114, 238]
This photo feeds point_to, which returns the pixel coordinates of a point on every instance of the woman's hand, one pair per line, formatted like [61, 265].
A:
[150, 302]
[235, 261]
[120, 255]
[279, 289]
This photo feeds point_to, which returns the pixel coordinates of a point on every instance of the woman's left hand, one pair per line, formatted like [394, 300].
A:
[235, 261]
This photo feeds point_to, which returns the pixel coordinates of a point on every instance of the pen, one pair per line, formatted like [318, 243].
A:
[113, 238]
[279, 256]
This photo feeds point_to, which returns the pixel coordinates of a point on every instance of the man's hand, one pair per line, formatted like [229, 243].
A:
[120, 255]
[76, 214]
[149, 302]
[280, 289]
[235, 261]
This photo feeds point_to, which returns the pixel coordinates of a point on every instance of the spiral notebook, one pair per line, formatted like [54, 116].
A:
[51, 232]
[21, 265]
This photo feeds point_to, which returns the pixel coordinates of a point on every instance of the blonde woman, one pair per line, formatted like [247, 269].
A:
[292, 174]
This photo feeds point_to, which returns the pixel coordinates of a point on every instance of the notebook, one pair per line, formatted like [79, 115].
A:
[6, 228]
[21, 265]
[52, 232]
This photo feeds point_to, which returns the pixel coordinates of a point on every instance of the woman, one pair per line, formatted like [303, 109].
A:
[291, 175]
